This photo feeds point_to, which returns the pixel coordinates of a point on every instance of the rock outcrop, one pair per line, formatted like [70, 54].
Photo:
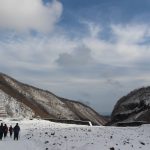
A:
[135, 107]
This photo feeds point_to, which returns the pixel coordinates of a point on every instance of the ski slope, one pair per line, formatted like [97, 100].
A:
[45, 135]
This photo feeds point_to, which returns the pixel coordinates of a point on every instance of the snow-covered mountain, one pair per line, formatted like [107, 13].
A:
[133, 107]
[21, 100]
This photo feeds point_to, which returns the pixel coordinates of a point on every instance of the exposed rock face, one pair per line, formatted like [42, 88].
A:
[133, 107]
[21, 100]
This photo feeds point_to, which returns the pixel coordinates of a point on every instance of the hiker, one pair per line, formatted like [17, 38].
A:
[10, 131]
[16, 131]
[1, 131]
[5, 130]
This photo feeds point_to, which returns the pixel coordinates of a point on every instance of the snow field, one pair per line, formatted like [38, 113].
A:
[46, 135]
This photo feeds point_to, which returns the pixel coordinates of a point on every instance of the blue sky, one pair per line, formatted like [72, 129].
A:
[105, 11]
[94, 51]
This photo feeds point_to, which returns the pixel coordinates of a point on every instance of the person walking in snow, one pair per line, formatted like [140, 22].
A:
[10, 131]
[5, 130]
[16, 131]
[1, 131]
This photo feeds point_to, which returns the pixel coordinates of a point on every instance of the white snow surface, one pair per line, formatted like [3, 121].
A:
[46, 135]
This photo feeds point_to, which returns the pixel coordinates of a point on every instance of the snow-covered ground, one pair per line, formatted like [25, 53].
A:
[45, 135]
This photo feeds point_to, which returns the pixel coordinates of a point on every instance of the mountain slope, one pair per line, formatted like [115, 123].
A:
[133, 107]
[26, 101]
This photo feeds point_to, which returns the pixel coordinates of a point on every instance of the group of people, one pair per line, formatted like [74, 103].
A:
[4, 131]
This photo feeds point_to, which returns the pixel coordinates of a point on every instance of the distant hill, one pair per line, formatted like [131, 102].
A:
[134, 107]
[21, 100]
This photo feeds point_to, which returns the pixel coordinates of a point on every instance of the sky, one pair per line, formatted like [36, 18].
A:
[93, 51]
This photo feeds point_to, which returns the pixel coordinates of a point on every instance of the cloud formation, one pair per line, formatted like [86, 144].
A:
[24, 15]
[124, 46]
[88, 67]
[79, 57]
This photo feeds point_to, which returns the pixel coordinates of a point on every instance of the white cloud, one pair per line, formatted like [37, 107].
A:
[33, 52]
[124, 46]
[23, 15]
[93, 29]
[44, 50]
[130, 33]
[79, 58]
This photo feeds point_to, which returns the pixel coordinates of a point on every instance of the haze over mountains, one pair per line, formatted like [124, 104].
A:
[21, 100]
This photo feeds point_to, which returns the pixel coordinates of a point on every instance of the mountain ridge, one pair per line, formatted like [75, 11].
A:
[134, 107]
[44, 103]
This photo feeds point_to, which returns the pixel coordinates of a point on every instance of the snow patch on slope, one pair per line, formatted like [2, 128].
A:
[14, 108]
[47, 100]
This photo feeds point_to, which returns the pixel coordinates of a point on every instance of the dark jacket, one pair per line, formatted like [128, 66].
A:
[1, 129]
[5, 128]
[10, 129]
[16, 129]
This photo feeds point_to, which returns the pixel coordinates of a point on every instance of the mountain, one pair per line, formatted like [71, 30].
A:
[21, 100]
[134, 107]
